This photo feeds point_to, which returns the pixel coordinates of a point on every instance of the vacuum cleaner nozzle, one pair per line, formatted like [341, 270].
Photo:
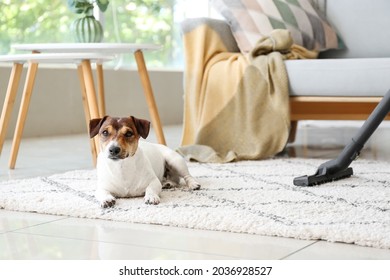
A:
[321, 176]
[338, 168]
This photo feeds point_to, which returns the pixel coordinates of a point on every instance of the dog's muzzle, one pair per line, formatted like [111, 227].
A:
[115, 153]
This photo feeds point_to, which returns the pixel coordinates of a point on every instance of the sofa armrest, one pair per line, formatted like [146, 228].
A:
[219, 26]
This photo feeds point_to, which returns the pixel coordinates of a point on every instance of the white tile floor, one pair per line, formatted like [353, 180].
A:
[36, 236]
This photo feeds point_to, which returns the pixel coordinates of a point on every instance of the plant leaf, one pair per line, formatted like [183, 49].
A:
[102, 4]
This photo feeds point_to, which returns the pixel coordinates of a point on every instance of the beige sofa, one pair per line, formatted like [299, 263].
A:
[348, 83]
[343, 84]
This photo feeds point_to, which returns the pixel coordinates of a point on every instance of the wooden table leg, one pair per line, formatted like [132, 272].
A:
[9, 101]
[101, 97]
[144, 76]
[91, 94]
[27, 92]
[86, 111]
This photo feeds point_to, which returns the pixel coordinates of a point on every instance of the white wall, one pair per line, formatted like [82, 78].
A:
[56, 107]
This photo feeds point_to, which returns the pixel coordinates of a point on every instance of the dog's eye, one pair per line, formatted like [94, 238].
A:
[105, 133]
[129, 134]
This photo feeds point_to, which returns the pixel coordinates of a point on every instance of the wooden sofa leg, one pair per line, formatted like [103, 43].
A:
[293, 131]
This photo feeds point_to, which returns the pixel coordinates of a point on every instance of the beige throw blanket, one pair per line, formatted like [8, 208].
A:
[236, 107]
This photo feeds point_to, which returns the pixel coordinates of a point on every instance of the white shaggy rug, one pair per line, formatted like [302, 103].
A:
[256, 197]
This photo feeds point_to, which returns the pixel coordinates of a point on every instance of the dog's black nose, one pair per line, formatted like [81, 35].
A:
[114, 150]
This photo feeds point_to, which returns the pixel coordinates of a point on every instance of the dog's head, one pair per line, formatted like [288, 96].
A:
[119, 136]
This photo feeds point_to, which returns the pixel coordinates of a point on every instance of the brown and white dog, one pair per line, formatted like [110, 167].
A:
[127, 167]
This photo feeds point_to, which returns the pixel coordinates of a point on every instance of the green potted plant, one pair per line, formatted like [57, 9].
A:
[87, 29]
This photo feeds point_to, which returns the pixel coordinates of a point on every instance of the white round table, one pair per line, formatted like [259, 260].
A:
[110, 48]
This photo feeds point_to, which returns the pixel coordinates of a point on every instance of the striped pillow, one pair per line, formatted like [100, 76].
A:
[251, 20]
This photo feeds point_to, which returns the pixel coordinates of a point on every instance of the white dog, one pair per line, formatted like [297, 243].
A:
[127, 167]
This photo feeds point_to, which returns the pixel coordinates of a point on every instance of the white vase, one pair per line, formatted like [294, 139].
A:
[87, 30]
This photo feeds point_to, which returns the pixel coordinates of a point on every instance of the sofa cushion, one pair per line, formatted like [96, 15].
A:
[363, 26]
[251, 20]
[339, 77]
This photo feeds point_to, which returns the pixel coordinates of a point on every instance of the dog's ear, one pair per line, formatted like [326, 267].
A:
[94, 126]
[142, 126]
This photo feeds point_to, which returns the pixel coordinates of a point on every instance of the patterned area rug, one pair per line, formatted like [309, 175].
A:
[255, 197]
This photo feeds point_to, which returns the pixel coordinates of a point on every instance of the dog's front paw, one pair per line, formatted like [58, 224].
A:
[192, 184]
[107, 203]
[152, 199]
[105, 198]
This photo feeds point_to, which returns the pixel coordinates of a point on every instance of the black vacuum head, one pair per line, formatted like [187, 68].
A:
[322, 177]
